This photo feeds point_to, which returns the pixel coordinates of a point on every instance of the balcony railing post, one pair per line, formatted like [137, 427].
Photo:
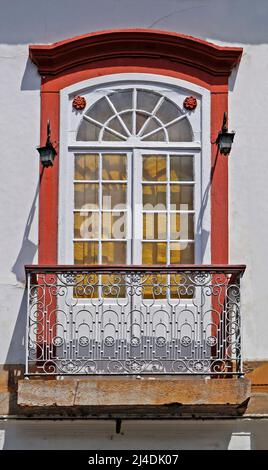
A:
[239, 330]
[28, 287]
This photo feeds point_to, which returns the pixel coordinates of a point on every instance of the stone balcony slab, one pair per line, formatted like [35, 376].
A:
[129, 396]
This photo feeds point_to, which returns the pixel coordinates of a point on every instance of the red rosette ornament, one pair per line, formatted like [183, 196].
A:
[79, 103]
[190, 103]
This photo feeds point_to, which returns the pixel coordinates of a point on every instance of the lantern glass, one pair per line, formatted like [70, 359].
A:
[47, 155]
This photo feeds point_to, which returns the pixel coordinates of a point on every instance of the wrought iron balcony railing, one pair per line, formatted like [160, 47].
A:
[134, 320]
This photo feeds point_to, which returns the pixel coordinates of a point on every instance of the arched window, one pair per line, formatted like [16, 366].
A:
[149, 56]
[133, 180]
[135, 154]
[146, 115]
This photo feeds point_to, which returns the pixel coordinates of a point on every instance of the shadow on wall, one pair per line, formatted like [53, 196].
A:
[17, 350]
[16, 355]
[15, 362]
[28, 248]
[203, 235]
[36, 21]
[26, 256]
[31, 79]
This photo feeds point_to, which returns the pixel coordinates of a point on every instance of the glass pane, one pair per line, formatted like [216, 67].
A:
[154, 253]
[151, 125]
[116, 125]
[181, 286]
[113, 286]
[157, 137]
[154, 196]
[168, 111]
[181, 168]
[88, 131]
[181, 253]
[147, 100]
[181, 226]
[86, 225]
[86, 286]
[182, 194]
[86, 195]
[114, 167]
[114, 224]
[87, 167]
[154, 226]
[180, 131]
[114, 252]
[114, 194]
[100, 111]
[122, 100]
[110, 136]
[154, 168]
[140, 120]
[128, 119]
[85, 252]
[155, 287]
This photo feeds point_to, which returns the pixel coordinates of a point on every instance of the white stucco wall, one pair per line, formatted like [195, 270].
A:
[248, 193]
[232, 22]
[98, 434]
[19, 130]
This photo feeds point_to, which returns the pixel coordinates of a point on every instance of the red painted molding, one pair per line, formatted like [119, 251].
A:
[81, 51]
[48, 195]
[219, 185]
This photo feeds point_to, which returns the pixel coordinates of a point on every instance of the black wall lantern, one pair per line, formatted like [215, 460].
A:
[48, 152]
[225, 138]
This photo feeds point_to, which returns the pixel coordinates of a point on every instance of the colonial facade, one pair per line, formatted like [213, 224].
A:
[133, 207]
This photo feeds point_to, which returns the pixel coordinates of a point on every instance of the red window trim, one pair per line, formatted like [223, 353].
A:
[133, 51]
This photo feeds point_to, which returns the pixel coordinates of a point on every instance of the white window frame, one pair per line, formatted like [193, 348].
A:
[138, 208]
[176, 90]
[100, 209]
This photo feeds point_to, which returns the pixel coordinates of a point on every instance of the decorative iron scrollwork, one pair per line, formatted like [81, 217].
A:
[134, 321]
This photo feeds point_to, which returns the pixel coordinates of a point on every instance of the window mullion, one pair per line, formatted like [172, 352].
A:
[100, 209]
[157, 106]
[134, 114]
[168, 209]
[117, 115]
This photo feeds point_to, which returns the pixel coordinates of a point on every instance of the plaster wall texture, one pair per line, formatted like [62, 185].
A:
[168, 435]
